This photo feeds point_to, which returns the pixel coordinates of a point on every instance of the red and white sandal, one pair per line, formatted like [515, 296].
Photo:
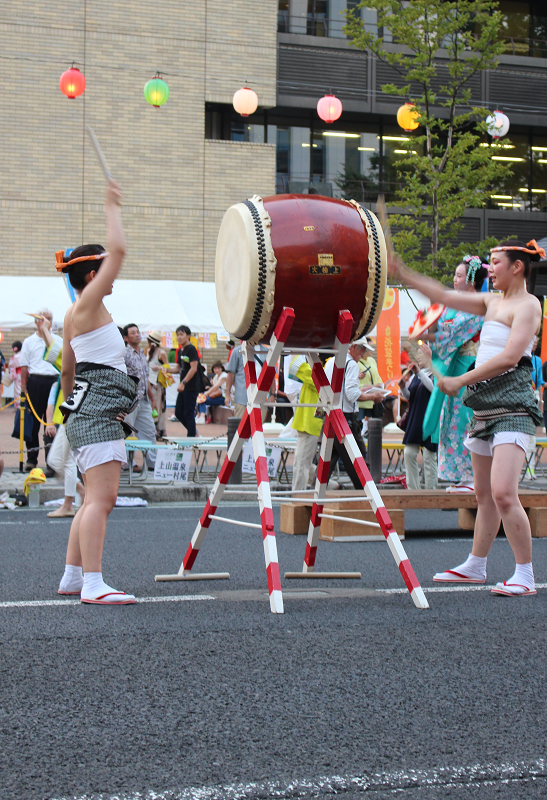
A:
[451, 576]
[110, 599]
[499, 588]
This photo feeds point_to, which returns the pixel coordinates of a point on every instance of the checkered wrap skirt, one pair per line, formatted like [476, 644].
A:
[111, 392]
[504, 403]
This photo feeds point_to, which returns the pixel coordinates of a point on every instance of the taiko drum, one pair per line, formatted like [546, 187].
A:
[318, 255]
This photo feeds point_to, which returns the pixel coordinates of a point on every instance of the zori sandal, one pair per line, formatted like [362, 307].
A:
[503, 589]
[110, 599]
[451, 576]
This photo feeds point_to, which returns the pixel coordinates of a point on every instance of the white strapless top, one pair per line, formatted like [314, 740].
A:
[102, 346]
[494, 336]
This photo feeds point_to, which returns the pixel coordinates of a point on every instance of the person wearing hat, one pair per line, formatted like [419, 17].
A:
[368, 377]
[351, 395]
[137, 366]
[156, 359]
[37, 378]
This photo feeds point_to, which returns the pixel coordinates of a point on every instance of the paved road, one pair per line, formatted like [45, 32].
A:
[351, 691]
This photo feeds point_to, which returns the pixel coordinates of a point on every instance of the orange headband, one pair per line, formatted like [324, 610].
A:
[533, 245]
[60, 264]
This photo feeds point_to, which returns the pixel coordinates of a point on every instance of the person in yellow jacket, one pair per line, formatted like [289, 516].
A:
[60, 449]
[305, 423]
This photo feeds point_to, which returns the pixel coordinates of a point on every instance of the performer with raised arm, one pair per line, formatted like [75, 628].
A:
[499, 391]
[99, 393]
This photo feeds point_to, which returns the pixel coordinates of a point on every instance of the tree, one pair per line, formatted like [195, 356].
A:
[446, 170]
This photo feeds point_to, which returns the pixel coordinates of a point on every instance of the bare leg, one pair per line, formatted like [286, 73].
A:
[506, 469]
[488, 516]
[101, 485]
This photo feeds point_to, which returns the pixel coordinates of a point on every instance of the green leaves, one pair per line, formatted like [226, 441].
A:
[437, 49]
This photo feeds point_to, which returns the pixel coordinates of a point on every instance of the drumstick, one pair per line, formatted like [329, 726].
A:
[36, 316]
[100, 154]
[384, 222]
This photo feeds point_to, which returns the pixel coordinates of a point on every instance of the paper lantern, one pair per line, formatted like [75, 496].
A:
[497, 124]
[407, 117]
[1, 337]
[329, 108]
[156, 91]
[72, 83]
[245, 101]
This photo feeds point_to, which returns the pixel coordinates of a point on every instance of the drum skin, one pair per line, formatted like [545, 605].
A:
[324, 265]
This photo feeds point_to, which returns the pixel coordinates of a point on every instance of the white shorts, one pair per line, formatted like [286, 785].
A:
[92, 455]
[485, 447]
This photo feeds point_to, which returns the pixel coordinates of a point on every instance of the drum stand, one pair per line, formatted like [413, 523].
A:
[335, 423]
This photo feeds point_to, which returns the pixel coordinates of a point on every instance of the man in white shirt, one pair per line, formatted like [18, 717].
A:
[37, 378]
[351, 395]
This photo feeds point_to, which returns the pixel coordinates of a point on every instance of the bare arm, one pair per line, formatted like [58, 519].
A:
[229, 384]
[24, 379]
[92, 295]
[470, 302]
[69, 362]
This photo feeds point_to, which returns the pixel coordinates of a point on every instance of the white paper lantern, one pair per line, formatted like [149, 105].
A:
[498, 124]
[245, 101]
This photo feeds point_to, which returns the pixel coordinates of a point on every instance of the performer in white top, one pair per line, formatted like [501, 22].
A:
[499, 390]
[98, 393]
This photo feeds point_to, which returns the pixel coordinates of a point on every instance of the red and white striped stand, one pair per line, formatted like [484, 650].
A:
[250, 425]
[336, 423]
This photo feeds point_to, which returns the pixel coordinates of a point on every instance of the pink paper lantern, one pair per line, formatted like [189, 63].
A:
[329, 108]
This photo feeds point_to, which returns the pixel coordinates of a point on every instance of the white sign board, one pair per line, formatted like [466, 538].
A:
[273, 454]
[172, 464]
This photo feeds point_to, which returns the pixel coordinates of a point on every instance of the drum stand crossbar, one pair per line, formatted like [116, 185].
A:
[335, 424]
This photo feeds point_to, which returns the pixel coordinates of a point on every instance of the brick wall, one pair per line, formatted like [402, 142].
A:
[176, 186]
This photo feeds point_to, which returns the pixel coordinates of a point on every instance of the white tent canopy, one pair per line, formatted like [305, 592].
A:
[152, 305]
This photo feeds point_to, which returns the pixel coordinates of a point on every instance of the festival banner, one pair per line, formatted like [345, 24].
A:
[388, 344]
[544, 333]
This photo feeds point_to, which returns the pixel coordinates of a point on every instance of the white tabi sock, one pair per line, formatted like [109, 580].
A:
[72, 580]
[473, 567]
[95, 588]
[522, 577]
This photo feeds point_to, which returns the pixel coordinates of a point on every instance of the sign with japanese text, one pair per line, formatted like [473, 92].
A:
[388, 344]
[273, 454]
[172, 464]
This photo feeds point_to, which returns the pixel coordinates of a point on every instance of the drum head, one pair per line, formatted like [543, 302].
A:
[245, 270]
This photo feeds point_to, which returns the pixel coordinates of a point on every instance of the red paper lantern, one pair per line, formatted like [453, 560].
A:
[72, 83]
[1, 337]
[329, 108]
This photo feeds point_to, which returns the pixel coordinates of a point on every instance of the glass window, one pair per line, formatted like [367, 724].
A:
[283, 16]
[512, 193]
[395, 145]
[243, 132]
[538, 199]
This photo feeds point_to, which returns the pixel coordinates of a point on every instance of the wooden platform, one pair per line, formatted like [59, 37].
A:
[295, 517]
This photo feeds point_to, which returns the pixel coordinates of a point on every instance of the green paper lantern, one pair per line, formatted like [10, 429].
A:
[156, 92]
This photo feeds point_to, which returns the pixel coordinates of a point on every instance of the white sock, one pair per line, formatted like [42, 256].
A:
[473, 567]
[523, 576]
[94, 586]
[72, 580]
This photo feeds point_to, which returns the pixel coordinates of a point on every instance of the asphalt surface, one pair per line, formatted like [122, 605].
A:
[352, 691]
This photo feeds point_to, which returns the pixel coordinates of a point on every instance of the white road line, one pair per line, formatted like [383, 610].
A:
[465, 588]
[471, 776]
[40, 603]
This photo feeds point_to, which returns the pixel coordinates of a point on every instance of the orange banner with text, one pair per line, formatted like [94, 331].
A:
[388, 341]
[544, 333]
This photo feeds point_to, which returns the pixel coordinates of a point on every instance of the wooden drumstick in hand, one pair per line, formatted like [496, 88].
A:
[100, 154]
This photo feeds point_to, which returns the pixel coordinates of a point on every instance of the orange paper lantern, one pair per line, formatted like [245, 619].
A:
[407, 116]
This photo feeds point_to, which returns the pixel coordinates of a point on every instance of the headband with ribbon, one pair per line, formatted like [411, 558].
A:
[474, 264]
[61, 265]
[532, 248]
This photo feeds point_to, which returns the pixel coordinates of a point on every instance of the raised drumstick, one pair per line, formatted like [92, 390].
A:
[384, 222]
[100, 154]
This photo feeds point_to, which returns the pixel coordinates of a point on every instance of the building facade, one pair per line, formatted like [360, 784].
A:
[182, 165]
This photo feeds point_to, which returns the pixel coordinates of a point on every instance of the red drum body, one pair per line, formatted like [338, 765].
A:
[315, 254]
